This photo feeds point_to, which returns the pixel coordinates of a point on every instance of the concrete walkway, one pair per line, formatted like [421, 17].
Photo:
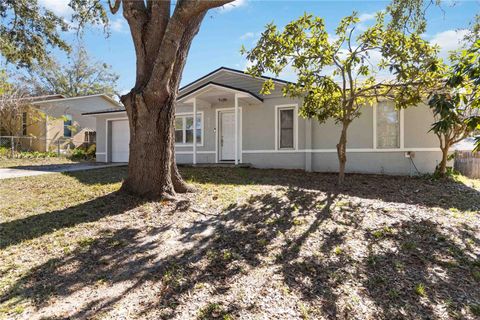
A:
[28, 171]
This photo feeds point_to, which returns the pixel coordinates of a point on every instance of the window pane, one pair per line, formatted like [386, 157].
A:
[199, 121]
[199, 135]
[286, 138]
[67, 132]
[179, 136]
[286, 118]
[388, 126]
[286, 128]
[189, 136]
[67, 120]
[188, 129]
[178, 123]
[189, 123]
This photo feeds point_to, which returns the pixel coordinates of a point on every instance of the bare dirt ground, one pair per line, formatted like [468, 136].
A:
[250, 244]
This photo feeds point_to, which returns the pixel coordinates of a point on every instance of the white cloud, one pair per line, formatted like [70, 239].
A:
[364, 17]
[248, 35]
[449, 40]
[233, 5]
[118, 25]
[59, 7]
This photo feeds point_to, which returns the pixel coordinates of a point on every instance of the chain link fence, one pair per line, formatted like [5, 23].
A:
[18, 146]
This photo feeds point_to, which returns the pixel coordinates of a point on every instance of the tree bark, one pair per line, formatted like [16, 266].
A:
[162, 42]
[342, 154]
[442, 167]
[150, 161]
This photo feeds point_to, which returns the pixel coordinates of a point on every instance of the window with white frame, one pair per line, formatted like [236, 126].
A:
[388, 126]
[184, 129]
[286, 128]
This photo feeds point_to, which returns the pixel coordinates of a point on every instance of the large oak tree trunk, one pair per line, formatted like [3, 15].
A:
[162, 42]
[342, 154]
[150, 161]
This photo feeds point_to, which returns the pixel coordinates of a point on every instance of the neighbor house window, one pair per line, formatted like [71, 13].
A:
[286, 128]
[90, 136]
[24, 123]
[184, 129]
[67, 125]
[388, 126]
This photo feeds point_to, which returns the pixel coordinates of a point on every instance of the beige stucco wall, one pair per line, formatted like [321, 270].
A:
[55, 111]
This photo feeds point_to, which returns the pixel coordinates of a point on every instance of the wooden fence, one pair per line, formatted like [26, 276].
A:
[468, 163]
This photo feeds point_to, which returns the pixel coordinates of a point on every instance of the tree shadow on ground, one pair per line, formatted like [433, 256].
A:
[15, 231]
[99, 176]
[317, 243]
[422, 190]
[417, 270]
[212, 251]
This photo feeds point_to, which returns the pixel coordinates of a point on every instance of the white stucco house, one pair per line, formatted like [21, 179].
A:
[236, 124]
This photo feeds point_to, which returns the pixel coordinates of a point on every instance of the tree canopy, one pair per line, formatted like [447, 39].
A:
[456, 104]
[339, 75]
[79, 76]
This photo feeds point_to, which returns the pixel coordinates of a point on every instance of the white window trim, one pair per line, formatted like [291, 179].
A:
[202, 126]
[295, 125]
[402, 130]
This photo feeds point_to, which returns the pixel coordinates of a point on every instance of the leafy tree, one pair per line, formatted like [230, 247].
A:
[80, 76]
[403, 75]
[14, 102]
[162, 32]
[457, 104]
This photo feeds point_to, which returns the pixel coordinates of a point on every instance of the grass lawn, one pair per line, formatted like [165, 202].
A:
[9, 163]
[250, 244]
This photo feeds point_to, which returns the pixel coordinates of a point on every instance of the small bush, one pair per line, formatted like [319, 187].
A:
[6, 153]
[83, 153]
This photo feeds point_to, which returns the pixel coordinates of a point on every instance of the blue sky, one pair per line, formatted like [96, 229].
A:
[225, 30]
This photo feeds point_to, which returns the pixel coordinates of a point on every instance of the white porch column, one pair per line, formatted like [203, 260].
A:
[236, 128]
[194, 130]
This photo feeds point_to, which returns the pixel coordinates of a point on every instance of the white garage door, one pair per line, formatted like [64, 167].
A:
[120, 140]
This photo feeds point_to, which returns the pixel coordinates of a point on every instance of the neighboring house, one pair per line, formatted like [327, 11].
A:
[236, 124]
[54, 120]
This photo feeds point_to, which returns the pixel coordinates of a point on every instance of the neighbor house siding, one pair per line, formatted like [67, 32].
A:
[49, 130]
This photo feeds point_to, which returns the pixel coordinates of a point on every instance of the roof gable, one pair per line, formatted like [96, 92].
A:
[233, 78]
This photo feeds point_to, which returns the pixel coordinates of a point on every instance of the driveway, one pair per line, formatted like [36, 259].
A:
[27, 171]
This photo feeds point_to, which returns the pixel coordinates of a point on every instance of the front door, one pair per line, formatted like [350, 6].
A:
[227, 136]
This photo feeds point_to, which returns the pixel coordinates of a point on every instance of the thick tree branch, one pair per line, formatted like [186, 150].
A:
[114, 8]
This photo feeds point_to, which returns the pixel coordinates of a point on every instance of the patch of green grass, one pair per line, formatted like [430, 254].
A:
[86, 242]
[409, 245]
[420, 290]
[381, 233]
[338, 251]
[304, 311]
[475, 309]
[476, 275]
[213, 310]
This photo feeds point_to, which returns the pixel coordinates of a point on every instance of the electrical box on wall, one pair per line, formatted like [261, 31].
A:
[410, 154]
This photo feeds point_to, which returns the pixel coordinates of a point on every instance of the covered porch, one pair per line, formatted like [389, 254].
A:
[218, 109]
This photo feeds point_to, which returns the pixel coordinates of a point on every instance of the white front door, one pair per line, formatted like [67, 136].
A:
[227, 135]
[120, 141]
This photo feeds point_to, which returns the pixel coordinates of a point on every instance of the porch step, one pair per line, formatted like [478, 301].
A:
[215, 165]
